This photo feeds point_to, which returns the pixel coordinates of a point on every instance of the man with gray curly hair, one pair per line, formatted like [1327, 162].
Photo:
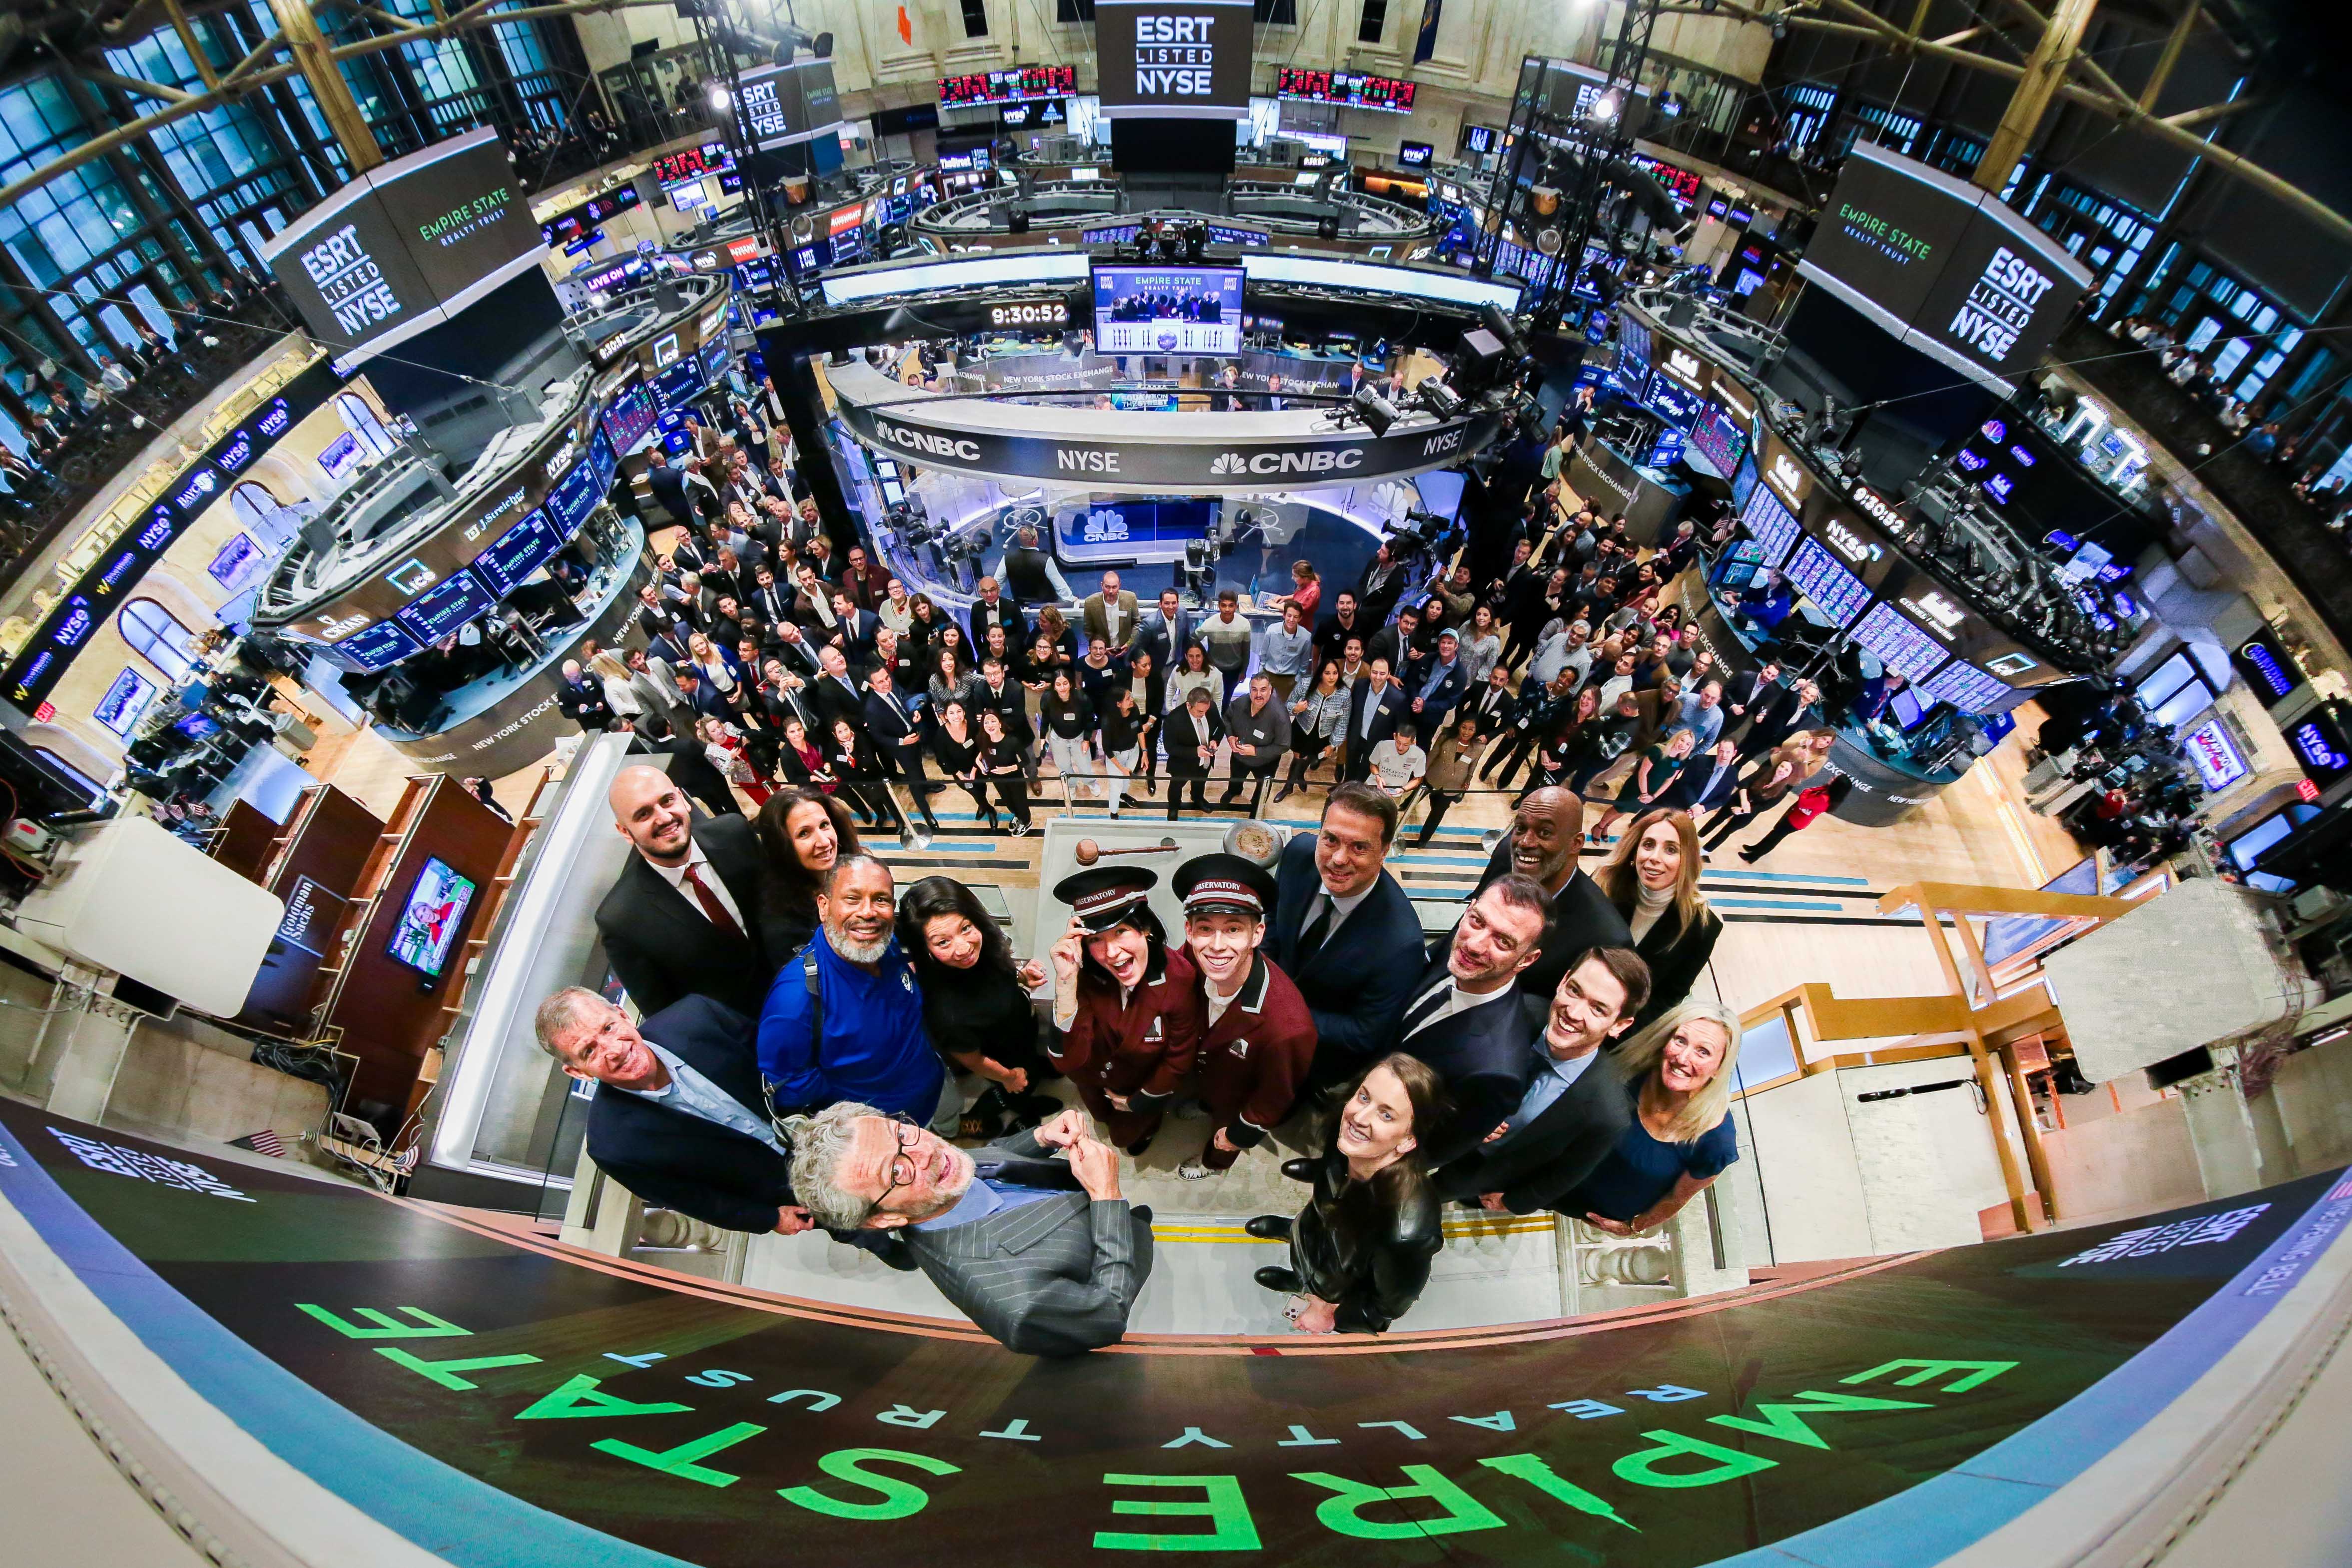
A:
[1044, 1255]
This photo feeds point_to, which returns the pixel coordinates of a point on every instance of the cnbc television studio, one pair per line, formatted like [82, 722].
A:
[775, 776]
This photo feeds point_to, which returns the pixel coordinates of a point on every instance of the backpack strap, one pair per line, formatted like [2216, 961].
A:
[816, 1034]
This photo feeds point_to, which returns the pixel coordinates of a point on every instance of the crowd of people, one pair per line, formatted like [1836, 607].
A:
[807, 1032]
[782, 663]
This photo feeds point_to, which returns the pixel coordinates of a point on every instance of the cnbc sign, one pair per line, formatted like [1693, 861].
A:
[1101, 451]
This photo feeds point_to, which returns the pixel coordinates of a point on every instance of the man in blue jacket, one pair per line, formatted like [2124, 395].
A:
[1345, 933]
[858, 1033]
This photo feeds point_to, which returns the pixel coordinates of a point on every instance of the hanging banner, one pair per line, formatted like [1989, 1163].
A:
[1425, 45]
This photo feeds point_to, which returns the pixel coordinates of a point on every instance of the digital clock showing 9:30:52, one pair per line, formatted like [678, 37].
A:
[1030, 313]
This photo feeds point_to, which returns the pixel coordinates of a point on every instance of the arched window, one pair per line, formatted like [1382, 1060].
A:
[361, 421]
[157, 635]
[264, 518]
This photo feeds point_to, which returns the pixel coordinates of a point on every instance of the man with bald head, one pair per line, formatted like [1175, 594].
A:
[1545, 837]
[683, 918]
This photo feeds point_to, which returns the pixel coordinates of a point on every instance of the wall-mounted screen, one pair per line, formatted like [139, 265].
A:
[1681, 406]
[1016, 85]
[125, 701]
[1969, 689]
[679, 384]
[571, 498]
[1772, 526]
[1901, 646]
[1168, 309]
[1743, 482]
[1173, 59]
[1025, 269]
[2215, 756]
[1836, 592]
[1414, 154]
[1349, 89]
[432, 917]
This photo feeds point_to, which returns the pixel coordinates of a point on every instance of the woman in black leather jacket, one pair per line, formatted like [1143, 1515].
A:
[1359, 1250]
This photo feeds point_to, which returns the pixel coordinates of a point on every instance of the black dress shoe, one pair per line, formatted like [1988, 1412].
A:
[1270, 1227]
[1141, 1211]
[1300, 1169]
[1282, 1281]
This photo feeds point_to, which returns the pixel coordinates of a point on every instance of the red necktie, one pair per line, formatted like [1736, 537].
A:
[710, 902]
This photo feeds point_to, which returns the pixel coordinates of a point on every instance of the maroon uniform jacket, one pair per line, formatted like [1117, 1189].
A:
[1142, 1051]
[1253, 1059]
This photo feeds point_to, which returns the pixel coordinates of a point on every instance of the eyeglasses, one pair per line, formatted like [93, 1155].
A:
[901, 1129]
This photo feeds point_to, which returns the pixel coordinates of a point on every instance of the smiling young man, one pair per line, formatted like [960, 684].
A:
[681, 919]
[1045, 1256]
[1260, 1039]
[1575, 1106]
[1344, 931]
[1546, 838]
[1464, 1018]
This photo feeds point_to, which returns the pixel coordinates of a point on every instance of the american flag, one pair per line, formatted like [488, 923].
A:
[265, 1142]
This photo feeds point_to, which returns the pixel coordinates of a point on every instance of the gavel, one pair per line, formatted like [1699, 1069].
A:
[1087, 851]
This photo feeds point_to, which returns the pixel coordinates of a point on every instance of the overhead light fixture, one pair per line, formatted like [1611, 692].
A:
[1438, 398]
[718, 98]
[1604, 108]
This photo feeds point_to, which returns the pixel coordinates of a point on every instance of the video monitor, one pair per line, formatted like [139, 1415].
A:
[521, 550]
[1771, 525]
[1168, 309]
[378, 646]
[125, 701]
[432, 917]
[1906, 710]
[444, 608]
[1968, 688]
[1743, 481]
[1414, 154]
[1836, 592]
[1900, 644]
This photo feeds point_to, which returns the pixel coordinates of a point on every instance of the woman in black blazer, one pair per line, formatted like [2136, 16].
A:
[1651, 877]
[852, 760]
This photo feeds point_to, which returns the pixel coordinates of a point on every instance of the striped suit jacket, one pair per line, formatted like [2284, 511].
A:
[1055, 1277]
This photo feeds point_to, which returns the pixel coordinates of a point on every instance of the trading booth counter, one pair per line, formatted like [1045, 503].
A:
[307, 1367]
[1611, 482]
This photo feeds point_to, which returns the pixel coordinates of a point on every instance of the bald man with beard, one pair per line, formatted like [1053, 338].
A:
[1546, 838]
[683, 918]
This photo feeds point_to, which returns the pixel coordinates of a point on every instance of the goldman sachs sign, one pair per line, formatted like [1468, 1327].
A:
[1105, 450]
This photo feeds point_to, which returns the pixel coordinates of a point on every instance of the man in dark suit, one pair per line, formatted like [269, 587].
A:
[681, 921]
[1164, 631]
[1777, 716]
[678, 1118]
[898, 738]
[1395, 641]
[1375, 703]
[992, 609]
[1547, 835]
[1464, 1018]
[1744, 690]
[1046, 1256]
[1344, 931]
[581, 698]
[1705, 783]
[668, 486]
[1381, 585]
[836, 690]
[770, 600]
[1191, 734]
[1574, 1107]
[858, 627]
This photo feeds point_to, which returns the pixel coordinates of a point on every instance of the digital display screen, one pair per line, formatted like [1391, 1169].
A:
[1681, 406]
[1409, 282]
[1771, 525]
[1168, 309]
[1900, 645]
[1014, 86]
[377, 646]
[1720, 438]
[1173, 59]
[1478, 139]
[1968, 688]
[2215, 756]
[2267, 666]
[1836, 592]
[571, 498]
[677, 386]
[602, 460]
[1954, 272]
[629, 416]
[434, 916]
[442, 609]
[692, 164]
[1632, 351]
[1743, 481]
[1414, 154]
[521, 550]
[2319, 744]
[125, 701]
[1349, 89]
[572, 221]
